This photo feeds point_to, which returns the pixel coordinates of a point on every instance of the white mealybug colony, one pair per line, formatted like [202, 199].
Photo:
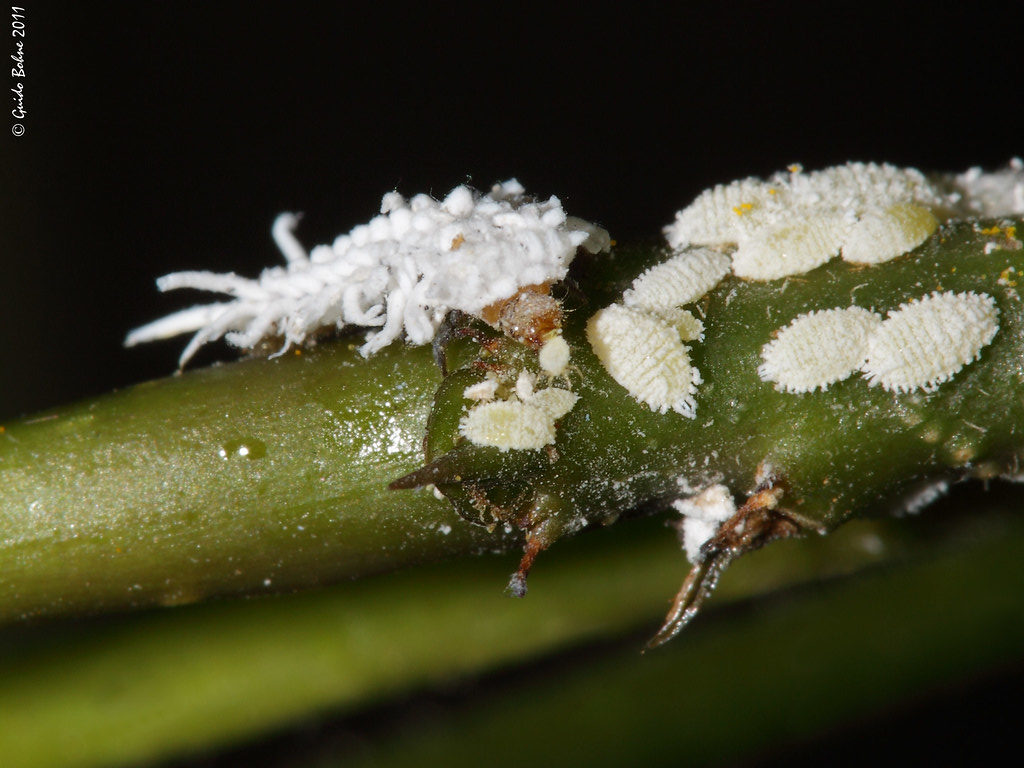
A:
[400, 273]
[927, 341]
[818, 349]
[524, 421]
[787, 226]
[759, 230]
[919, 346]
[796, 221]
[410, 271]
[641, 342]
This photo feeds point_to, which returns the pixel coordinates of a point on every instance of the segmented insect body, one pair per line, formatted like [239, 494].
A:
[818, 349]
[399, 275]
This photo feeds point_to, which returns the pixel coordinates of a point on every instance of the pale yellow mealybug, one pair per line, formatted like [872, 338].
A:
[683, 279]
[881, 235]
[927, 341]
[818, 349]
[793, 249]
[645, 355]
[795, 222]
[517, 424]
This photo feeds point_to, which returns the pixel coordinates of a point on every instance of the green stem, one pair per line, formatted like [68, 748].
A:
[159, 684]
[271, 475]
[259, 476]
[738, 684]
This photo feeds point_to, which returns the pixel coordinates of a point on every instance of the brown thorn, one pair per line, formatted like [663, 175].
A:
[517, 584]
[754, 524]
[699, 583]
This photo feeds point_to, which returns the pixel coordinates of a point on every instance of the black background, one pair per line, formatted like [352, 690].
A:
[167, 136]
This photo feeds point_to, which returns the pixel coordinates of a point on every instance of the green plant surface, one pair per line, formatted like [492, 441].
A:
[258, 476]
[165, 683]
[765, 675]
[270, 475]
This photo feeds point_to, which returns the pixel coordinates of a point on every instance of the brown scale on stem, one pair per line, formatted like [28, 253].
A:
[531, 316]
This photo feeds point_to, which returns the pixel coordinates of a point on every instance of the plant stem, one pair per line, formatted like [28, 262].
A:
[163, 683]
[271, 475]
[257, 476]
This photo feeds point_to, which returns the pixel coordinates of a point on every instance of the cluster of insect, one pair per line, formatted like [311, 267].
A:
[920, 345]
[787, 226]
[496, 256]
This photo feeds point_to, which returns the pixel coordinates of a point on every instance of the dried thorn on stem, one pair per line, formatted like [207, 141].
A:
[756, 523]
[517, 584]
[699, 583]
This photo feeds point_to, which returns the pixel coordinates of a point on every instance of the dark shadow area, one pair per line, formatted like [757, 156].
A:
[167, 136]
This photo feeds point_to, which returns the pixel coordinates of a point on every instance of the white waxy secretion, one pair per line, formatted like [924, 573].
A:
[515, 424]
[482, 390]
[399, 274]
[645, 355]
[999, 193]
[702, 516]
[818, 349]
[795, 222]
[927, 341]
[687, 325]
[683, 279]
[725, 214]
[554, 401]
